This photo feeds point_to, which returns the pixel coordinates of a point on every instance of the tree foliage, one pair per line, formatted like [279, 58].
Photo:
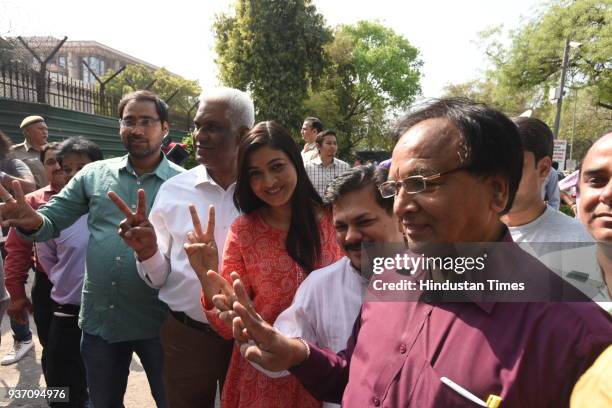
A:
[162, 82]
[524, 71]
[274, 50]
[373, 72]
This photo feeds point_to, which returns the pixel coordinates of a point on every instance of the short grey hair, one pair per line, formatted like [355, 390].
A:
[241, 110]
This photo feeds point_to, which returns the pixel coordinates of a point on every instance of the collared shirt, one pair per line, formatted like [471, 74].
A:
[529, 353]
[310, 152]
[550, 189]
[324, 309]
[116, 304]
[31, 157]
[320, 175]
[20, 252]
[169, 269]
[64, 260]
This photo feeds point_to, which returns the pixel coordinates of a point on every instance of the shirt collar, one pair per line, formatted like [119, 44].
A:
[203, 177]
[310, 146]
[163, 170]
[28, 146]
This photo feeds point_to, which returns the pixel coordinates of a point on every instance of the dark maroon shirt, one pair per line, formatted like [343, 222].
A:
[530, 354]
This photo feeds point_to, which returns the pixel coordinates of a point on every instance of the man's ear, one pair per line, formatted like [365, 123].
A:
[500, 192]
[543, 168]
[165, 128]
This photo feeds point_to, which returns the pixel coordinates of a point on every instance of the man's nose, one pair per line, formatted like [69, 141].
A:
[404, 203]
[606, 194]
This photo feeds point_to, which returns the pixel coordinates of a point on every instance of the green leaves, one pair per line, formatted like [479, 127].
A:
[274, 49]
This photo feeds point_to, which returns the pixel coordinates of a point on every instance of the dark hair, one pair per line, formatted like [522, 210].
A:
[315, 123]
[493, 144]
[356, 179]
[555, 165]
[145, 96]
[303, 242]
[79, 145]
[49, 146]
[5, 146]
[536, 137]
[321, 136]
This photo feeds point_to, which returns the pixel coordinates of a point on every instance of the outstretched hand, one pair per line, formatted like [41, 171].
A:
[16, 212]
[135, 229]
[259, 341]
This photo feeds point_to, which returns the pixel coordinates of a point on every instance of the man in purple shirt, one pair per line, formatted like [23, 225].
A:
[403, 353]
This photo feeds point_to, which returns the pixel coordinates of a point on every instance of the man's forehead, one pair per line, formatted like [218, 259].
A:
[355, 204]
[428, 145]
[599, 155]
[210, 107]
[143, 107]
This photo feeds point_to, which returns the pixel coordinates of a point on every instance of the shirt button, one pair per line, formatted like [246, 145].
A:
[402, 349]
[133, 206]
[113, 283]
[112, 306]
[376, 401]
[118, 258]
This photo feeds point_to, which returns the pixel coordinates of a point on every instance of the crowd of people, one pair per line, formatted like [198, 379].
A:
[247, 276]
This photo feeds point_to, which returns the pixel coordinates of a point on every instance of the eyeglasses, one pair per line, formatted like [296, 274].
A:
[144, 122]
[412, 184]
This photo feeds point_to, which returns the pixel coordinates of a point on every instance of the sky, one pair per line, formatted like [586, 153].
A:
[178, 34]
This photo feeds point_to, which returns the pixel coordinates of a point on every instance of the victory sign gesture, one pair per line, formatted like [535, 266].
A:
[15, 212]
[136, 230]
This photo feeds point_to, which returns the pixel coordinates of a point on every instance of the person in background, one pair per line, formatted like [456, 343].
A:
[595, 207]
[35, 133]
[20, 257]
[326, 167]
[63, 258]
[14, 169]
[310, 129]
[550, 187]
[530, 219]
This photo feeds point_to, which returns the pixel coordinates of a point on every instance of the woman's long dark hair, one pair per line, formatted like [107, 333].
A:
[303, 240]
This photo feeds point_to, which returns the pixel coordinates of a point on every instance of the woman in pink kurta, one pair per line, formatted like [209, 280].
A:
[285, 234]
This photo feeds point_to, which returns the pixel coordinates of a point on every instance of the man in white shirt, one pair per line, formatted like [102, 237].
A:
[327, 303]
[310, 129]
[323, 169]
[530, 219]
[195, 357]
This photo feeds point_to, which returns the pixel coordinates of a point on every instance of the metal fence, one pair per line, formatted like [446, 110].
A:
[22, 83]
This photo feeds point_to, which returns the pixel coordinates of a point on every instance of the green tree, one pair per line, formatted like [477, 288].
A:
[524, 72]
[179, 93]
[274, 50]
[373, 73]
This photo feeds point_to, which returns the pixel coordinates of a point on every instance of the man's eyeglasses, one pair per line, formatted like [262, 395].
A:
[144, 122]
[411, 185]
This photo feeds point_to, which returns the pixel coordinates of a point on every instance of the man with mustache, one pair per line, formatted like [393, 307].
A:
[421, 352]
[196, 358]
[119, 313]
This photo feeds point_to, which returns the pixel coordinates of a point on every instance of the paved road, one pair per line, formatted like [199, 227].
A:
[27, 374]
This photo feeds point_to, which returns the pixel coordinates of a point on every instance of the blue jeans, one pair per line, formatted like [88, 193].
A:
[107, 366]
[21, 332]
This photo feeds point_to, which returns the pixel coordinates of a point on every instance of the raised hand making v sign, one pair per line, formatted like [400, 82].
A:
[136, 230]
[204, 259]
